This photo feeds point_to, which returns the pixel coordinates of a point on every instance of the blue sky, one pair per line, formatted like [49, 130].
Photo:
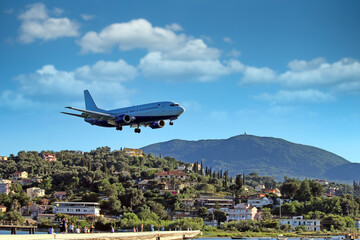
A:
[285, 69]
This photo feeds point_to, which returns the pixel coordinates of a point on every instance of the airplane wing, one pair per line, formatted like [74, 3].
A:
[91, 114]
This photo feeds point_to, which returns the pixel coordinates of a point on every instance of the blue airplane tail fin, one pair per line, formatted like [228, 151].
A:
[89, 102]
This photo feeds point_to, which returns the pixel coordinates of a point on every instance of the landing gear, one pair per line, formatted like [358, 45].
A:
[137, 130]
[171, 123]
[119, 128]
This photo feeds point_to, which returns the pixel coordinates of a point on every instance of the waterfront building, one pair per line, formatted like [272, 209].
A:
[241, 212]
[35, 192]
[81, 209]
[310, 224]
[60, 195]
[5, 185]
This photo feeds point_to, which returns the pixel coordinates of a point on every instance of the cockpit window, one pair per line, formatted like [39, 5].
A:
[174, 104]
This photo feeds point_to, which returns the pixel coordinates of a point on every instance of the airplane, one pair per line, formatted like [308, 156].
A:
[151, 115]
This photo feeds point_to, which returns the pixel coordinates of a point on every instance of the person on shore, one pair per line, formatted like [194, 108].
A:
[112, 229]
[71, 228]
[142, 227]
[77, 230]
[134, 229]
[51, 230]
[92, 229]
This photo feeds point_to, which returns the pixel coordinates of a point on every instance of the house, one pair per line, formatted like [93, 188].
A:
[177, 174]
[35, 209]
[143, 185]
[259, 187]
[214, 202]
[80, 209]
[274, 191]
[35, 192]
[60, 195]
[182, 167]
[2, 209]
[26, 181]
[2, 158]
[259, 201]
[310, 224]
[19, 175]
[49, 157]
[241, 212]
[134, 152]
[5, 185]
[322, 182]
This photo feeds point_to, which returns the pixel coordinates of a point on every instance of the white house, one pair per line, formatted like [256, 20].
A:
[35, 192]
[259, 201]
[240, 212]
[310, 224]
[77, 208]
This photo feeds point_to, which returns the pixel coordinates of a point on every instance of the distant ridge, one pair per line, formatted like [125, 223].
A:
[247, 153]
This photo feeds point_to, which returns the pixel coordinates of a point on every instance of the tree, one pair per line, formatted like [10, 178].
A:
[203, 212]
[288, 189]
[46, 183]
[14, 216]
[303, 194]
[238, 181]
[220, 216]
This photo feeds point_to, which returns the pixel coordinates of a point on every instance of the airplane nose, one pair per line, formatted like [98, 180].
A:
[181, 110]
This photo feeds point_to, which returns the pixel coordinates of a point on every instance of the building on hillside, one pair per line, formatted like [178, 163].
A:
[2, 209]
[259, 187]
[259, 201]
[310, 224]
[274, 191]
[60, 195]
[5, 185]
[3, 158]
[322, 182]
[35, 192]
[134, 152]
[214, 202]
[80, 209]
[35, 209]
[357, 223]
[19, 175]
[182, 167]
[143, 185]
[177, 174]
[241, 212]
[48, 157]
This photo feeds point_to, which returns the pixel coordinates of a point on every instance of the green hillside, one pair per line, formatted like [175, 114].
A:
[246, 153]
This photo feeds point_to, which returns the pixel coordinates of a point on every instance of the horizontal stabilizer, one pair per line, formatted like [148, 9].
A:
[73, 114]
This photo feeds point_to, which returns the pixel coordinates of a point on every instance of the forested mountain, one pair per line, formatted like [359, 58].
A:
[263, 155]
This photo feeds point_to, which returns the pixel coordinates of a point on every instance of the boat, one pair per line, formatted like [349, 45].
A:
[238, 237]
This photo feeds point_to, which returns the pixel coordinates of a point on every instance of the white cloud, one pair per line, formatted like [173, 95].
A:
[36, 24]
[137, 33]
[155, 66]
[9, 11]
[174, 27]
[102, 78]
[87, 17]
[284, 96]
[107, 71]
[15, 100]
[228, 40]
[253, 75]
[234, 53]
[318, 72]
[343, 75]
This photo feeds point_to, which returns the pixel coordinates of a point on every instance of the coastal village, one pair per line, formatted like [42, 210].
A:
[249, 202]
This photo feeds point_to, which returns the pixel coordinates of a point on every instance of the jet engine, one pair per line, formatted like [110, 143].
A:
[157, 124]
[123, 119]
